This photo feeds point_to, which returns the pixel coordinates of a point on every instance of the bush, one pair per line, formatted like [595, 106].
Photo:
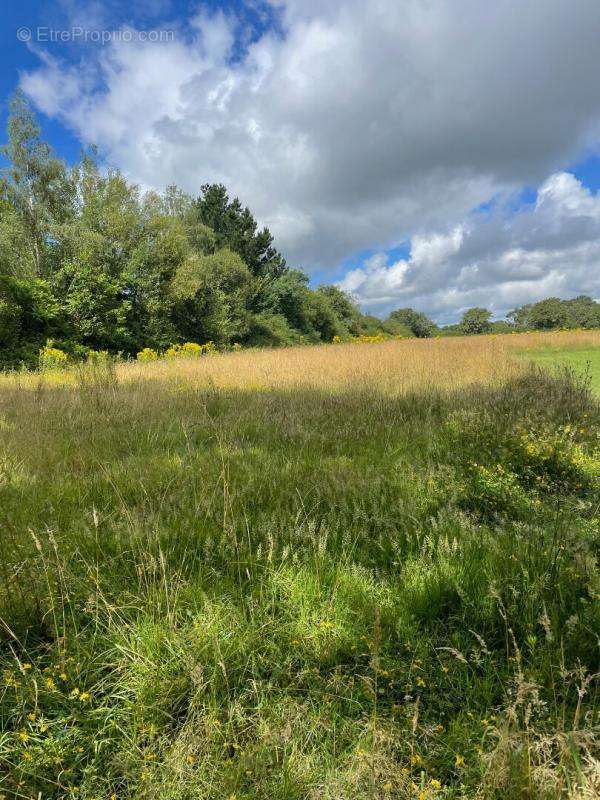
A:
[271, 330]
[494, 490]
[51, 357]
[190, 350]
[554, 461]
[147, 354]
[98, 356]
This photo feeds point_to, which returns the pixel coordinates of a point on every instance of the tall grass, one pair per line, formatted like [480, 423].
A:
[341, 572]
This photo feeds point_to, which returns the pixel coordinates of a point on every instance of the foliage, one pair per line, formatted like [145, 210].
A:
[311, 590]
[420, 325]
[126, 271]
[52, 357]
[235, 227]
[36, 184]
[147, 354]
[476, 320]
[553, 313]
[189, 350]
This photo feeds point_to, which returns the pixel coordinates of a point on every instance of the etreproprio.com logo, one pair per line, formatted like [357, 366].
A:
[91, 35]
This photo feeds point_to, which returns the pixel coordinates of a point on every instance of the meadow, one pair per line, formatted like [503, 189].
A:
[581, 357]
[334, 572]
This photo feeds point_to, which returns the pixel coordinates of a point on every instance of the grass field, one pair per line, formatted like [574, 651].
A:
[584, 360]
[350, 571]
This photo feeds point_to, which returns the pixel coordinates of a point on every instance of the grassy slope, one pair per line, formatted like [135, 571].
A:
[223, 580]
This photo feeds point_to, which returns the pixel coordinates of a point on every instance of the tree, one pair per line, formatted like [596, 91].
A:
[344, 308]
[324, 322]
[16, 255]
[579, 312]
[583, 312]
[29, 314]
[93, 294]
[36, 184]
[285, 295]
[548, 314]
[476, 320]
[420, 325]
[210, 296]
[235, 227]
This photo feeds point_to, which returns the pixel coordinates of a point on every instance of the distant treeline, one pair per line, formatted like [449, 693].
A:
[550, 314]
[90, 263]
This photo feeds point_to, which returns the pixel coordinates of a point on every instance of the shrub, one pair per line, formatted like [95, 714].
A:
[190, 350]
[174, 351]
[147, 354]
[494, 490]
[51, 357]
[97, 356]
[554, 460]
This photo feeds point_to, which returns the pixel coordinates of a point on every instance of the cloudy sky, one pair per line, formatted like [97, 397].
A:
[434, 153]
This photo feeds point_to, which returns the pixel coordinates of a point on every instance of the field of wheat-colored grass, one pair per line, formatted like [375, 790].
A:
[393, 366]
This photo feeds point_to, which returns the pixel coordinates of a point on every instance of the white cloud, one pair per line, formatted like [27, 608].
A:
[365, 123]
[499, 260]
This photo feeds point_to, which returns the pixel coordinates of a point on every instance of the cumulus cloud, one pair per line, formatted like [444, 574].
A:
[351, 125]
[498, 260]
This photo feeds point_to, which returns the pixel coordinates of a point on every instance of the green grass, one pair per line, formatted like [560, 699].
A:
[583, 360]
[299, 594]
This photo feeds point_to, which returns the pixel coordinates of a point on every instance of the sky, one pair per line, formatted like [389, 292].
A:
[439, 154]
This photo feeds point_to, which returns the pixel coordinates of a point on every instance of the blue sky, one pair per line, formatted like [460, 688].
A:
[414, 157]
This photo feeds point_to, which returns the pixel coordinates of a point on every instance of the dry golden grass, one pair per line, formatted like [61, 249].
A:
[393, 367]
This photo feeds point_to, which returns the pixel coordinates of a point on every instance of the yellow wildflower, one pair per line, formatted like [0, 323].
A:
[27, 666]
[23, 736]
[50, 683]
[460, 761]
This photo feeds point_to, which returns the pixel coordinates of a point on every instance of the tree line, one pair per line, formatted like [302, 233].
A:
[549, 314]
[91, 263]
